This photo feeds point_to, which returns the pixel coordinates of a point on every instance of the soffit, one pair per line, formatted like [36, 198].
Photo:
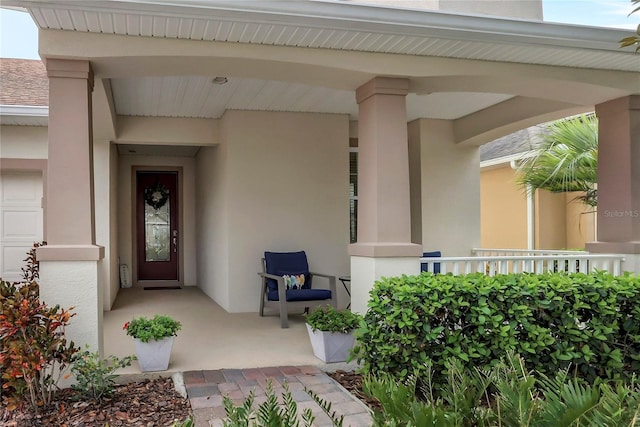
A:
[335, 25]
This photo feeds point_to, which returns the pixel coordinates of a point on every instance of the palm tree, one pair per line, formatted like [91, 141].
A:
[635, 39]
[565, 159]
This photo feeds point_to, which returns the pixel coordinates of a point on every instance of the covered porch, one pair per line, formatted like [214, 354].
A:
[211, 338]
[418, 92]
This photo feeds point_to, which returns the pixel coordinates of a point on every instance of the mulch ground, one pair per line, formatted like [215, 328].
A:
[152, 403]
[353, 383]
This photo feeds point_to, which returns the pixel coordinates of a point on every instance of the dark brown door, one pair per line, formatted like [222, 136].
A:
[157, 225]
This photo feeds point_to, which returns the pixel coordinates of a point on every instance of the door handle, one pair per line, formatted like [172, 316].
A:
[175, 241]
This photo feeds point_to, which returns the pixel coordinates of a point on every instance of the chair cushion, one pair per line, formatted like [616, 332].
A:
[281, 263]
[301, 295]
[436, 265]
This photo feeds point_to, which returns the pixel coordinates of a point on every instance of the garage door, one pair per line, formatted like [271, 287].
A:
[20, 219]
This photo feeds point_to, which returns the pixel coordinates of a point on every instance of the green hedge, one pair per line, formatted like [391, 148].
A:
[589, 324]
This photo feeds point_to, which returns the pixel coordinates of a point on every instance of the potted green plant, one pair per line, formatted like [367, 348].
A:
[331, 333]
[153, 339]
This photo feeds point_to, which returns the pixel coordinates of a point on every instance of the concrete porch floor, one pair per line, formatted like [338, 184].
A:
[210, 337]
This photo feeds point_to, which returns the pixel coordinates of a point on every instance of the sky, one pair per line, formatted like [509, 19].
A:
[19, 36]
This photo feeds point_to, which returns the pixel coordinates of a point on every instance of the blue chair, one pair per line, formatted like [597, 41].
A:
[436, 265]
[300, 295]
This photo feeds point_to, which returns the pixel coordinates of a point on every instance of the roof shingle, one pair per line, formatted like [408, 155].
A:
[23, 82]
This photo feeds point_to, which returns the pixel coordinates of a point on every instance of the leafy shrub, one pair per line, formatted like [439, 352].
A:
[33, 352]
[329, 319]
[587, 323]
[505, 395]
[95, 378]
[157, 328]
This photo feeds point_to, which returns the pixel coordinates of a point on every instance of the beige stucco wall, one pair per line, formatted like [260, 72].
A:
[102, 195]
[212, 217]
[581, 222]
[551, 220]
[284, 187]
[531, 9]
[503, 209]
[23, 142]
[415, 181]
[449, 188]
[125, 230]
[560, 222]
[106, 212]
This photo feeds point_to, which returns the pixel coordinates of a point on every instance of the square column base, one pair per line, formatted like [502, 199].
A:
[365, 271]
[75, 284]
[630, 250]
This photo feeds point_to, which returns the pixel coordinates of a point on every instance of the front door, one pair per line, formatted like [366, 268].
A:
[157, 227]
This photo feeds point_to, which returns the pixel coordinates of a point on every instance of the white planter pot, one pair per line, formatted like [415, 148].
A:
[154, 355]
[330, 346]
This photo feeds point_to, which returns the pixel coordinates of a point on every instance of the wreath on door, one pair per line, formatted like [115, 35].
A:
[156, 196]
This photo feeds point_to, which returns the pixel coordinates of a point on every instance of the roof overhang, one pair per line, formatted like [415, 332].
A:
[23, 115]
[535, 71]
[344, 26]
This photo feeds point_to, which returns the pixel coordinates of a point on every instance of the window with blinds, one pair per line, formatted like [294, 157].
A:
[353, 194]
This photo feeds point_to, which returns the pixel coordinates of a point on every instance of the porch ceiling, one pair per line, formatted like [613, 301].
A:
[196, 96]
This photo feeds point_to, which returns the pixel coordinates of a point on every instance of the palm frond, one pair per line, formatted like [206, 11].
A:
[565, 159]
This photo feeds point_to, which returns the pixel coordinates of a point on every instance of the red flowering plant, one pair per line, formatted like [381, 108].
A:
[34, 352]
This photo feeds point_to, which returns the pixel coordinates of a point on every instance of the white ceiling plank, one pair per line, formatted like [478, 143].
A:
[93, 21]
[50, 19]
[197, 31]
[159, 28]
[235, 32]
[222, 33]
[260, 34]
[106, 23]
[120, 24]
[171, 27]
[406, 44]
[64, 19]
[38, 16]
[133, 25]
[211, 31]
[185, 28]
[146, 26]
[272, 34]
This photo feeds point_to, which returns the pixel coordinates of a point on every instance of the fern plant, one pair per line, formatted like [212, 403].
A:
[273, 414]
[506, 395]
[267, 414]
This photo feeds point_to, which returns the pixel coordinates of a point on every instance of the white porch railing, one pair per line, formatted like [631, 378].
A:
[583, 262]
[520, 252]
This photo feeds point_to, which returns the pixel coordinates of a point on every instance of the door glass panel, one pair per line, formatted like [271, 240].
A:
[157, 225]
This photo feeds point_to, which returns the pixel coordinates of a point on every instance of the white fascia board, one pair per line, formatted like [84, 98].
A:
[487, 164]
[358, 17]
[24, 111]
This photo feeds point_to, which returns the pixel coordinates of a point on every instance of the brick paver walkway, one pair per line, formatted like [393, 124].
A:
[207, 388]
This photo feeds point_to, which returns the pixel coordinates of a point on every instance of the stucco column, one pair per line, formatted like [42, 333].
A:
[69, 263]
[619, 179]
[384, 245]
[445, 186]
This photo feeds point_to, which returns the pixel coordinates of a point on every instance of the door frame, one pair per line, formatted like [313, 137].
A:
[134, 228]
